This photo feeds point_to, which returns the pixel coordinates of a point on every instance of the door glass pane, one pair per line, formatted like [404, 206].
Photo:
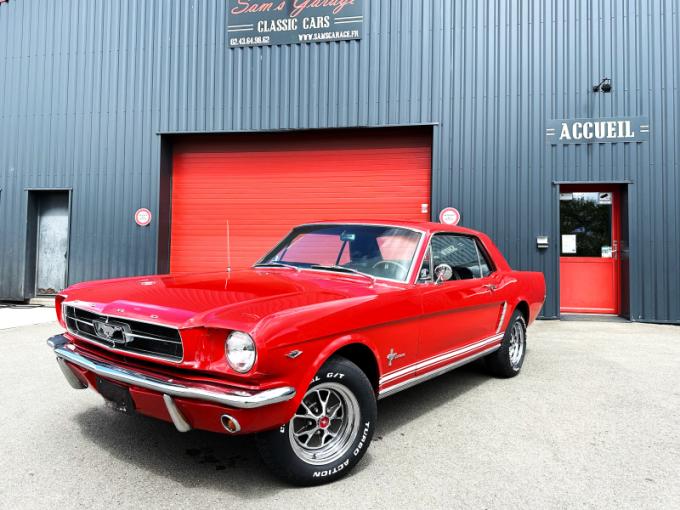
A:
[586, 224]
[458, 252]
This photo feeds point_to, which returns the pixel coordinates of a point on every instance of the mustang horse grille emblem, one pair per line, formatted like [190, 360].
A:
[392, 356]
[117, 333]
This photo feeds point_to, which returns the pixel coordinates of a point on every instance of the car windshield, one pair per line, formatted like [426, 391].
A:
[376, 251]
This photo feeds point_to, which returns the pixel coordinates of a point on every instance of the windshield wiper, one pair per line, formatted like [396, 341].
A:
[277, 264]
[344, 269]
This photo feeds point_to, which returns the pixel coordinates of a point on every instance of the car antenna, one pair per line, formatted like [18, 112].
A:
[228, 249]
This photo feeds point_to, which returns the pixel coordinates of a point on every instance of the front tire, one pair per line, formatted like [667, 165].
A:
[508, 360]
[331, 430]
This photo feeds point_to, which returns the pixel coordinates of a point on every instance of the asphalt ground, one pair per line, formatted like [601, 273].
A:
[13, 315]
[593, 421]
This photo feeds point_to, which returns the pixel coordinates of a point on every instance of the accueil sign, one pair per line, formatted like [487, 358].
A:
[611, 130]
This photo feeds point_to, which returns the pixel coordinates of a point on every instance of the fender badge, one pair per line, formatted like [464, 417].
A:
[392, 356]
[293, 354]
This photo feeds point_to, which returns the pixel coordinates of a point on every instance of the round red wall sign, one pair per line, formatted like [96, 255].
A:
[143, 217]
[449, 216]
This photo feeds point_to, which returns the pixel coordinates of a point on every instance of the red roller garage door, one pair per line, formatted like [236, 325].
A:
[266, 183]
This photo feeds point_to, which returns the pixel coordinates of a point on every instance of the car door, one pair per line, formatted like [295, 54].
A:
[461, 311]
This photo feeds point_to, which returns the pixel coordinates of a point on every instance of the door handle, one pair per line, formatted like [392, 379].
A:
[490, 286]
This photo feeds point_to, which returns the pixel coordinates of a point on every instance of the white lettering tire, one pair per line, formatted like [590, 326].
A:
[331, 429]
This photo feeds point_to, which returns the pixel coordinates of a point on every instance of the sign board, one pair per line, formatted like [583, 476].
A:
[449, 216]
[604, 198]
[569, 243]
[256, 23]
[609, 130]
[143, 217]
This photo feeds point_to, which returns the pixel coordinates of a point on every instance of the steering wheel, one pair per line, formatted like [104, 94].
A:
[388, 263]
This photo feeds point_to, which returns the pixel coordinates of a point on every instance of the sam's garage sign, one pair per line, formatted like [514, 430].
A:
[610, 130]
[254, 23]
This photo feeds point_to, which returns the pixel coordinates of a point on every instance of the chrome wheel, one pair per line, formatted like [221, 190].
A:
[517, 343]
[325, 425]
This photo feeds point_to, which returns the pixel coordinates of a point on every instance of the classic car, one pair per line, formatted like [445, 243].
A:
[299, 347]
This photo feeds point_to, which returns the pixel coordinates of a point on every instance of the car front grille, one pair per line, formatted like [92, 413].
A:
[125, 335]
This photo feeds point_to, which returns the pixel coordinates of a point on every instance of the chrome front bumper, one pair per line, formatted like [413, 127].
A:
[235, 398]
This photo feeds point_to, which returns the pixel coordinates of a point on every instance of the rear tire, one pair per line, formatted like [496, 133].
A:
[508, 360]
[331, 430]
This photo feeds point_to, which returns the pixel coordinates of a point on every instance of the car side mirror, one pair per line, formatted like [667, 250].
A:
[442, 273]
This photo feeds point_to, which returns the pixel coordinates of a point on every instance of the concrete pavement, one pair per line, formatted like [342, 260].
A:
[14, 316]
[593, 421]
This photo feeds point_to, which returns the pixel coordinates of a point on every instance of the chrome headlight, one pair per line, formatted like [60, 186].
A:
[240, 351]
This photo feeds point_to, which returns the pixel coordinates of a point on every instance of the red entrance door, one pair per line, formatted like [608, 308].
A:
[589, 249]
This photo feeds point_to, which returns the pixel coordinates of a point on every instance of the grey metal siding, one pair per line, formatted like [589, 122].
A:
[87, 85]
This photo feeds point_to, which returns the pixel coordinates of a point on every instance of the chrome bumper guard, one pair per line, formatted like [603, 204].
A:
[235, 398]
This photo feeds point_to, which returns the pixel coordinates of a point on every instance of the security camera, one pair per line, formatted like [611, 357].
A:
[604, 86]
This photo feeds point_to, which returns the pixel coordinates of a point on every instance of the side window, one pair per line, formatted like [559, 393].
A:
[458, 252]
[463, 254]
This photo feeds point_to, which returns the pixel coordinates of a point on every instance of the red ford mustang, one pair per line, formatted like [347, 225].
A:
[299, 347]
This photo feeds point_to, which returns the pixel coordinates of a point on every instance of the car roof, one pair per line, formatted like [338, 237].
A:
[426, 226]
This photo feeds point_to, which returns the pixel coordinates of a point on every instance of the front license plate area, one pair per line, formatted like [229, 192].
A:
[116, 396]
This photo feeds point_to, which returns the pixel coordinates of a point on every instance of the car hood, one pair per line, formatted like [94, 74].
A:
[235, 300]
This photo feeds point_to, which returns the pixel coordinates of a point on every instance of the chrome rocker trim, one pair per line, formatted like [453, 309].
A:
[240, 399]
[414, 368]
[434, 373]
[420, 365]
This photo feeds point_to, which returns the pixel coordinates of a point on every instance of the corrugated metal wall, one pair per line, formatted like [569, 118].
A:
[87, 85]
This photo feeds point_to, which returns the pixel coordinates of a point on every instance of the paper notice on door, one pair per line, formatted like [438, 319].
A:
[569, 243]
[606, 252]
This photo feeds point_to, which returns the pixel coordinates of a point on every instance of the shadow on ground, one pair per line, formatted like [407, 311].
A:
[396, 412]
[231, 464]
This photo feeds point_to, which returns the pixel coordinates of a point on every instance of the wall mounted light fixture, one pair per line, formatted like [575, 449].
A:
[604, 86]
